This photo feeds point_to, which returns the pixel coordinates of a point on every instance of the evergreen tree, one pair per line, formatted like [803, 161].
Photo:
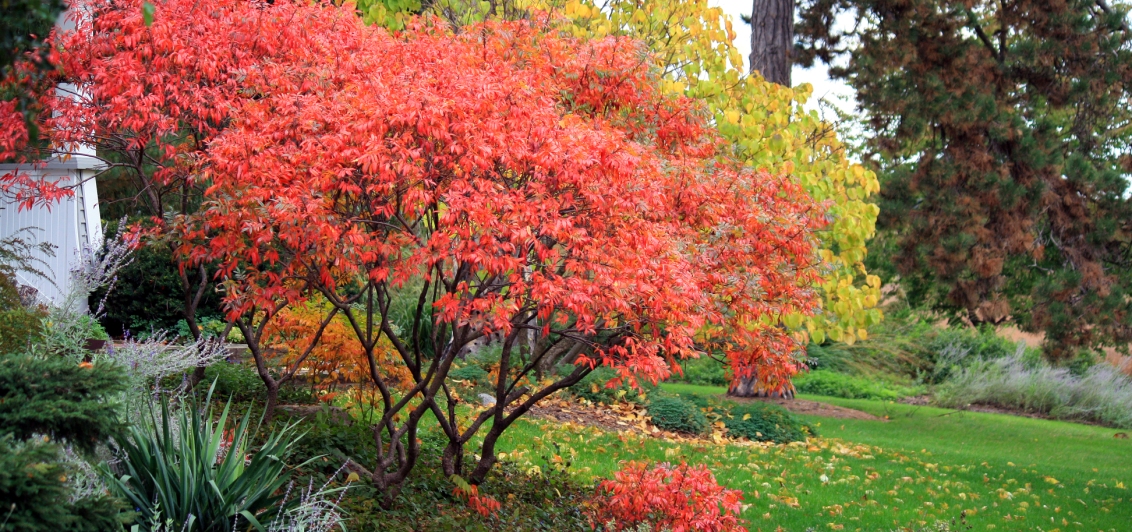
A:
[45, 402]
[1001, 131]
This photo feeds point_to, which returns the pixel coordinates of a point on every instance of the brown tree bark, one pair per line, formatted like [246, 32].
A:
[772, 39]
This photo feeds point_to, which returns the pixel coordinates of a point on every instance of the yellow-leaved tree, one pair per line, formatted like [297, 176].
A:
[692, 42]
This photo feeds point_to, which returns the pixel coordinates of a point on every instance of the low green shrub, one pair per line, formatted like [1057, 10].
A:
[210, 328]
[953, 349]
[35, 493]
[57, 397]
[74, 405]
[910, 346]
[766, 422]
[20, 325]
[241, 383]
[833, 384]
[550, 501]
[593, 388]
[677, 415]
[329, 441]
[238, 382]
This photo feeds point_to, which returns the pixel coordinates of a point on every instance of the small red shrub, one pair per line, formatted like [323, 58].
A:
[485, 505]
[678, 498]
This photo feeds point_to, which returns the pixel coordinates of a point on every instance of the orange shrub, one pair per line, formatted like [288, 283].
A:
[338, 357]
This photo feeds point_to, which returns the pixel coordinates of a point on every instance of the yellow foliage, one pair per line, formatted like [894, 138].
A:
[766, 123]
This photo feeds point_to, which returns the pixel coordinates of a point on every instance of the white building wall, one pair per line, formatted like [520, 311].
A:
[68, 225]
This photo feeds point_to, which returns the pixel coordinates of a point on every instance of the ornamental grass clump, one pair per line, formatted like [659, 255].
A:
[1102, 394]
[182, 467]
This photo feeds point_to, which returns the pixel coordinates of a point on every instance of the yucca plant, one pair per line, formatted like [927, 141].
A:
[198, 473]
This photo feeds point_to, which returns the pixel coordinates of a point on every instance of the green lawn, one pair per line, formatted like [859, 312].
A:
[922, 466]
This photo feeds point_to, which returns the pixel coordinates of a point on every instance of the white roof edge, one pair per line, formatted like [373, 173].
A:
[74, 162]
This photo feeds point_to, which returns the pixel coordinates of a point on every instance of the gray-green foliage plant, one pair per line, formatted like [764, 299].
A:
[202, 472]
[37, 495]
[1101, 394]
[70, 321]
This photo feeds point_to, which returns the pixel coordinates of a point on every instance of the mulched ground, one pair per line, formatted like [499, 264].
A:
[611, 418]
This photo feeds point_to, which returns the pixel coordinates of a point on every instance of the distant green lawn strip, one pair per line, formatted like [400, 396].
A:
[922, 466]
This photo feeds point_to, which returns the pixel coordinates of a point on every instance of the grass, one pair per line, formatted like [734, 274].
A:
[922, 467]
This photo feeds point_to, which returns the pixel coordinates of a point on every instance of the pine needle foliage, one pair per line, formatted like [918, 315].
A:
[1002, 133]
[59, 398]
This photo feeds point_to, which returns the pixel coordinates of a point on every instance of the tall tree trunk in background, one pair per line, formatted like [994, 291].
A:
[772, 39]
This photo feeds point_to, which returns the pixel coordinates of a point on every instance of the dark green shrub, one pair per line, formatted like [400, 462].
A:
[329, 440]
[210, 328]
[69, 402]
[593, 388]
[148, 295]
[552, 501]
[403, 314]
[34, 493]
[765, 422]
[953, 349]
[295, 393]
[241, 383]
[19, 325]
[832, 384]
[677, 415]
[238, 382]
[57, 397]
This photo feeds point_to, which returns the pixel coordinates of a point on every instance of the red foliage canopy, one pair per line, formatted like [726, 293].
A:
[536, 185]
[543, 182]
[555, 168]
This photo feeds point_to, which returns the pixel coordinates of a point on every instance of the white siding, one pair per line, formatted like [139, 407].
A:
[69, 225]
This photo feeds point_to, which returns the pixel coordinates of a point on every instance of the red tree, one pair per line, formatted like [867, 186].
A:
[524, 184]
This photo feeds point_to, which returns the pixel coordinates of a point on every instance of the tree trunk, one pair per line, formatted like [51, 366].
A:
[772, 39]
[752, 388]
